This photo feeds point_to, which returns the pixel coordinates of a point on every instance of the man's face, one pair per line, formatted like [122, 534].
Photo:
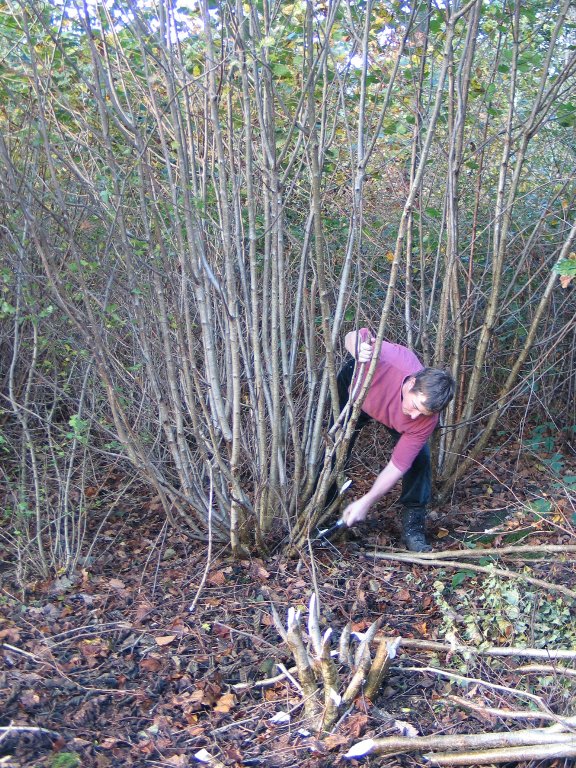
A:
[413, 403]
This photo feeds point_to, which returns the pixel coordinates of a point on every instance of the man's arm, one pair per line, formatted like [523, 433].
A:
[387, 479]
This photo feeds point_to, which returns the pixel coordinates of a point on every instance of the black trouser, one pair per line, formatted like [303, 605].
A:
[417, 482]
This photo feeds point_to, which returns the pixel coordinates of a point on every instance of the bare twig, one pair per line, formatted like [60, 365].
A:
[268, 681]
[485, 683]
[209, 552]
[288, 674]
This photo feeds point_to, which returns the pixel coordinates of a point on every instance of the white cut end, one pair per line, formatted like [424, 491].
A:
[335, 696]
[280, 717]
[203, 756]
[360, 749]
[312, 608]
[392, 646]
[406, 729]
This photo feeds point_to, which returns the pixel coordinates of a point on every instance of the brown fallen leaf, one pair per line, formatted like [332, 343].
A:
[151, 664]
[93, 650]
[422, 628]
[334, 740]
[354, 726]
[108, 742]
[258, 570]
[165, 640]
[142, 611]
[225, 703]
[216, 578]
[12, 634]
[180, 761]
[220, 630]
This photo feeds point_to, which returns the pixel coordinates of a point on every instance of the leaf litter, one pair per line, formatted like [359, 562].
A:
[110, 665]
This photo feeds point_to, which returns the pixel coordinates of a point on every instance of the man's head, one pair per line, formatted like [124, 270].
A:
[436, 386]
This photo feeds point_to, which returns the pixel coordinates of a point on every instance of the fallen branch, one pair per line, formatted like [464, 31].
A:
[511, 755]
[421, 560]
[545, 549]
[532, 653]
[547, 669]
[486, 684]
[403, 744]
[509, 714]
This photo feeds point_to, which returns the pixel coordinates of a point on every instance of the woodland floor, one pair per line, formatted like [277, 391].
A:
[117, 667]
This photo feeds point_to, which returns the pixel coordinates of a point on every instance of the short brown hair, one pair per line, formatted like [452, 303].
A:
[437, 386]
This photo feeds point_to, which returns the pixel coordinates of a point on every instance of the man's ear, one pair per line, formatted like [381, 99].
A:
[410, 383]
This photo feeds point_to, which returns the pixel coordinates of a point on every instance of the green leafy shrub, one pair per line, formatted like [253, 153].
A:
[493, 611]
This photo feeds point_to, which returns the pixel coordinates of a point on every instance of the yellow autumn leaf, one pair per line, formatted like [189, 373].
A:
[225, 703]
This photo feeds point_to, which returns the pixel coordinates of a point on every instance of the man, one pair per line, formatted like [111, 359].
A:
[407, 398]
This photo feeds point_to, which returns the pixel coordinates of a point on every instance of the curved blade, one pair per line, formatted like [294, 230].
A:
[325, 533]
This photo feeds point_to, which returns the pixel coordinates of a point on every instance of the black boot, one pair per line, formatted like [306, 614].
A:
[413, 535]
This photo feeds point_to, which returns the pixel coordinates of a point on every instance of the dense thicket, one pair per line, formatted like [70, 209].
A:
[198, 200]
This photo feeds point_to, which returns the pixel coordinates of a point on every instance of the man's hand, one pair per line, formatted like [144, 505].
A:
[356, 512]
[366, 350]
[386, 480]
[360, 344]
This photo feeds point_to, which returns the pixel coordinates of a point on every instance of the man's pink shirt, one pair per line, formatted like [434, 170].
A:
[383, 402]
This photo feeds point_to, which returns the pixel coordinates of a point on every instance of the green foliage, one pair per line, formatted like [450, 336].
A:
[65, 760]
[567, 267]
[541, 506]
[491, 610]
[460, 577]
[543, 441]
[79, 427]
